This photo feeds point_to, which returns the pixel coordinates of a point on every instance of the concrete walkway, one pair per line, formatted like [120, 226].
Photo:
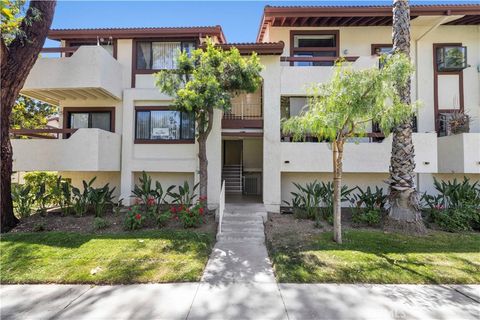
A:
[238, 283]
[239, 301]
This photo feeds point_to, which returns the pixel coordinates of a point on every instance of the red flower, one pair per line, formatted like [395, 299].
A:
[200, 210]
[173, 209]
[150, 201]
[138, 216]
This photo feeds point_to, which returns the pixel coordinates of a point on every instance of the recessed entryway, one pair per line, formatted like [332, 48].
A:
[242, 167]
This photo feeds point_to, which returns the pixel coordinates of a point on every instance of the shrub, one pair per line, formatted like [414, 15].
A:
[63, 193]
[81, 198]
[162, 218]
[134, 218]
[190, 217]
[117, 206]
[23, 200]
[185, 196]
[150, 198]
[456, 207]
[90, 198]
[100, 223]
[315, 199]
[368, 206]
[100, 199]
[43, 180]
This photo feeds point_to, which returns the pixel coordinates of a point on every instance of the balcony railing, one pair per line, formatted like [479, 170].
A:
[45, 133]
[317, 59]
[244, 111]
[369, 137]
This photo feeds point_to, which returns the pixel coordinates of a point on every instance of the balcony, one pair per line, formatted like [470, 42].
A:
[84, 150]
[246, 112]
[90, 73]
[295, 79]
[361, 156]
[459, 153]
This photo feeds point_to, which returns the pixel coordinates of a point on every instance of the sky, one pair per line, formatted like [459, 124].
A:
[239, 19]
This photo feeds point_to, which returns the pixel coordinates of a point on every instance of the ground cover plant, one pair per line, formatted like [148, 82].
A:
[68, 257]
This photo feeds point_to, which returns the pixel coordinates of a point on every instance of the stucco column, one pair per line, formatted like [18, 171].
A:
[214, 156]
[127, 176]
[271, 133]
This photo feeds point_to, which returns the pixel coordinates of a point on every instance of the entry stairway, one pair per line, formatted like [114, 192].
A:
[232, 174]
[240, 254]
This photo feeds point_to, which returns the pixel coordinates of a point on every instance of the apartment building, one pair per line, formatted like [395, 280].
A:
[115, 123]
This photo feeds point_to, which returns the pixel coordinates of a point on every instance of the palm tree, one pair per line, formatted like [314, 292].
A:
[404, 214]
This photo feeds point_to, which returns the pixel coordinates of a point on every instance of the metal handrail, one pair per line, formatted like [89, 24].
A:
[221, 208]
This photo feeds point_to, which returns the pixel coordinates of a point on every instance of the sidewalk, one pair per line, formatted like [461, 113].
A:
[239, 301]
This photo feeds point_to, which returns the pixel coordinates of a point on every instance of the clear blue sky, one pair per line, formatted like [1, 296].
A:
[239, 19]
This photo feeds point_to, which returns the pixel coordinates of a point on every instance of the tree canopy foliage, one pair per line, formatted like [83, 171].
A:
[207, 79]
[30, 114]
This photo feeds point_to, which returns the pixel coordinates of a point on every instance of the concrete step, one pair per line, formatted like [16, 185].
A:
[259, 236]
[245, 228]
[244, 220]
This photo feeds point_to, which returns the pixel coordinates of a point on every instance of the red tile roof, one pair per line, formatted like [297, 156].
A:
[141, 32]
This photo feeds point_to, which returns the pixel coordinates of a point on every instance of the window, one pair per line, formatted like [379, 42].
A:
[451, 58]
[164, 125]
[83, 118]
[315, 48]
[159, 55]
[379, 49]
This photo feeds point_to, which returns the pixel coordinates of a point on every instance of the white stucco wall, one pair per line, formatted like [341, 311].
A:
[459, 153]
[85, 150]
[252, 154]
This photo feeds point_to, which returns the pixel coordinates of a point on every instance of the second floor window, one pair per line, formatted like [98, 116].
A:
[164, 125]
[314, 45]
[159, 55]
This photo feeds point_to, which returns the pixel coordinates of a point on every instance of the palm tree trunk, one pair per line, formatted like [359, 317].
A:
[404, 214]
[337, 192]
[17, 59]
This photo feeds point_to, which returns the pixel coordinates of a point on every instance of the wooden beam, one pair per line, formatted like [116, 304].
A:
[314, 21]
[292, 22]
[303, 21]
[282, 21]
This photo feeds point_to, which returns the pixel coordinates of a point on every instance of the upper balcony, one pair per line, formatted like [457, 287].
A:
[84, 150]
[459, 153]
[90, 73]
[295, 79]
[246, 112]
[359, 156]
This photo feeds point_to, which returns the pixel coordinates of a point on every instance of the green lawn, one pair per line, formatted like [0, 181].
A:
[59, 257]
[376, 257]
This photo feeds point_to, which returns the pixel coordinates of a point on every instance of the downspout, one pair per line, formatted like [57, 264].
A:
[431, 29]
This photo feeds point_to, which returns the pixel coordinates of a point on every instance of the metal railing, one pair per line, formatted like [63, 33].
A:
[45, 133]
[221, 208]
[244, 111]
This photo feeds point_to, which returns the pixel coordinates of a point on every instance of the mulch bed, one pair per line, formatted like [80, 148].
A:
[56, 221]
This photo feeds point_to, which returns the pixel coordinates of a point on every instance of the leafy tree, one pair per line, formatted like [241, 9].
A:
[20, 46]
[206, 80]
[404, 213]
[30, 114]
[344, 107]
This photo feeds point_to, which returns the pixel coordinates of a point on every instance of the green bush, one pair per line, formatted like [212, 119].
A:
[92, 199]
[42, 184]
[456, 207]
[63, 192]
[315, 200]
[100, 223]
[134, 218]
[23, 200]
[368, 206]
[151, 198]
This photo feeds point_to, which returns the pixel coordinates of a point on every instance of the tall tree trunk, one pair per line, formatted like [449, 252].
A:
[17, 59]
[404, 213]
[337, 190]
[204, 128]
